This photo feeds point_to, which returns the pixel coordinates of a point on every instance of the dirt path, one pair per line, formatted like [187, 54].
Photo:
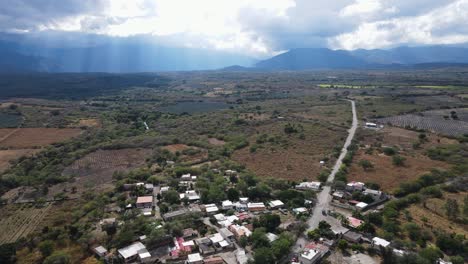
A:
[8, 135]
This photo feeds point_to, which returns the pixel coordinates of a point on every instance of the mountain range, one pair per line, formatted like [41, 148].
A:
[125, 57]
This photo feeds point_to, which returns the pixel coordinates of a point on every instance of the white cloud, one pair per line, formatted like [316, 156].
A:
[254, 27]
[436, 27]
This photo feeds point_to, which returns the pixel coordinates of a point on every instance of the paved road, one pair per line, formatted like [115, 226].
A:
[324, 198]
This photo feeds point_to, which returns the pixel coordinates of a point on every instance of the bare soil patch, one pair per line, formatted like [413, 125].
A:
[387, 175]
[90, 122]
[36, 137]
[98, 167]
[8, 155]
[216, 142]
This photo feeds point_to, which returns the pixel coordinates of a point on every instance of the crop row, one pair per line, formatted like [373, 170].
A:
[432, 124]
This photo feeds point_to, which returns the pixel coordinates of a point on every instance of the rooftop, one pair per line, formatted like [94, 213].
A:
[144, 199]
[194, 258]
[131, 250]
[380, 242]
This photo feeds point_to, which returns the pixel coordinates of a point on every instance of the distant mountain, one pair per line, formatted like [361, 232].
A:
[120, 56]
[314, 58]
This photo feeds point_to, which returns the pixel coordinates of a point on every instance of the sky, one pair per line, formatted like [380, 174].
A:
[256, 28]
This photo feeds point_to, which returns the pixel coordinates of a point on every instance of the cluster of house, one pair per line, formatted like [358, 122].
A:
[343, 198]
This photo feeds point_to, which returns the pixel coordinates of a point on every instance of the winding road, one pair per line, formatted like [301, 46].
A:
[324, 198]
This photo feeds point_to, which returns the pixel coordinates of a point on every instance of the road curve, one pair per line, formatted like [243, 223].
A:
[324, 197]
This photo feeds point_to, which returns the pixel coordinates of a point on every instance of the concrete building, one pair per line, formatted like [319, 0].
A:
[315, 186]
[195, 258]
[227, 205]
[134, 252]
[144, 202]
[255, 207]
[276, 204]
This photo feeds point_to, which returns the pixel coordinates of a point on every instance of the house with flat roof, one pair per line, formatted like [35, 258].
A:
[144, 202]
[240, 231]
[313, 253]
[175, 214]
[100, 251]
[195, 258]
[134, 252]
[355, 186]
[315, 186]
[276, 204]
[255, 207]
[352, 237]
[375, 194]
[211, 209]
[227, 205]
[378, 242]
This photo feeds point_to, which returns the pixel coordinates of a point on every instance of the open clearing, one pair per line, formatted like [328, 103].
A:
[35, 137]
[294, 159]
[17, 221]
[387, 175]
[435, 214]
[216, 142]
[98, 167]
[7, 155]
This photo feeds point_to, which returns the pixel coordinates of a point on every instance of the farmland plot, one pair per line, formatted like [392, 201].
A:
[429, 123]
[35, 137]
[98, 167]
[18, 221]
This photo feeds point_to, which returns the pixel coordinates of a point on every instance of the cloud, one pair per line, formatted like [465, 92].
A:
[254, 27]
[443, 25]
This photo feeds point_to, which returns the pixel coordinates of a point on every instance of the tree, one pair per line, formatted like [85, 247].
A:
[259, 238]
[172, 197]
[431, 254]
[7, 253]
[269, 221]
[365, 164]
[452, 209]
[281, 247]
[398, 160]
[46, 247]
[233, 194]
[243, 241]
[263, 255]
[342, 244]
[457, 260]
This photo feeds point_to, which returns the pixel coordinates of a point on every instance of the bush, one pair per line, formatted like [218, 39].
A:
[389, 151]
[398, 160]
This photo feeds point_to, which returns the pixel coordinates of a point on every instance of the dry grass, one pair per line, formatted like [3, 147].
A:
[387, 175]
[295, 158]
